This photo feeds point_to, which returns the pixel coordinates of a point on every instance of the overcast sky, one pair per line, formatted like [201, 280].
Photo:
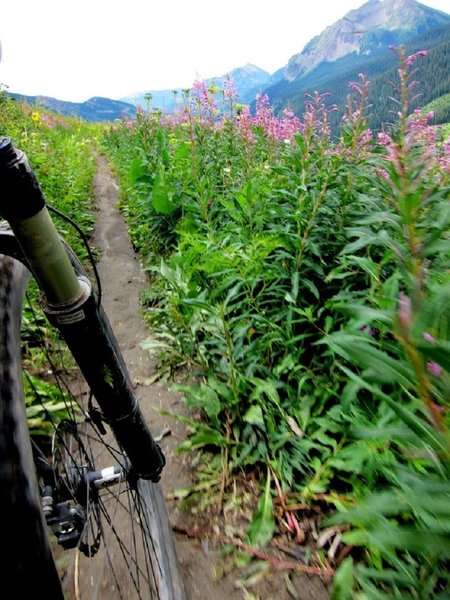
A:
[73, 50]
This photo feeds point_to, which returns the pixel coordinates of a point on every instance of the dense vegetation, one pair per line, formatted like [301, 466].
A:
[58, 151]
[305, 282]
[60, 154]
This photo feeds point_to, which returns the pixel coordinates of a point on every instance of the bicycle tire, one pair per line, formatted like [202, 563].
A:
[148, 564]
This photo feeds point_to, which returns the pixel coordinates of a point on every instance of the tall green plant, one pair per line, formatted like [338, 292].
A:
[399, 340]
[305, 283]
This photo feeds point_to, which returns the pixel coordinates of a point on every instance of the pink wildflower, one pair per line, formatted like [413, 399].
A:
[410, 60]
[428, 337]
[369, 330]
[384, 139]
[404, 310]
[244, 123]
[204, 102]
[444, 160]
[230, 91]
[315, 117]
[434, 368]
[395, 157]
[355, 87]
[365, 138]
[383, 174]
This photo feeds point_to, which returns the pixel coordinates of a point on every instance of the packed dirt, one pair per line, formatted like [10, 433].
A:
[207, 574]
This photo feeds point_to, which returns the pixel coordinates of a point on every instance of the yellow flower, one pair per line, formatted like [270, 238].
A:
[36, 117]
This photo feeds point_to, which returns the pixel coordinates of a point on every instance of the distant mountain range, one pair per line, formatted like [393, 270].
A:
[94, 109]
[358, 42]
[247, 80]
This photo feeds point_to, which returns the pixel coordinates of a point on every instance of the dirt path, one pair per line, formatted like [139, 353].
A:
[122, 281]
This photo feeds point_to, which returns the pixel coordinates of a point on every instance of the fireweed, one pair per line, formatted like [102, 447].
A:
[304, 280]
[406, 365]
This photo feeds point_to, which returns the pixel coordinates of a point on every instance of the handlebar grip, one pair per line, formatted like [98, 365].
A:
[21, 196]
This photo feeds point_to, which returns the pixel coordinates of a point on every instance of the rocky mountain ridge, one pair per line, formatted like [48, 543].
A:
[366, 31]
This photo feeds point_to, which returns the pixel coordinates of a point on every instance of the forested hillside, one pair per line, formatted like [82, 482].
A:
[441, 108]
[433, 74]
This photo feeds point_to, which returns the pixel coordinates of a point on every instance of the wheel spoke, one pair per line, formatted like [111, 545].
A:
[114, 525]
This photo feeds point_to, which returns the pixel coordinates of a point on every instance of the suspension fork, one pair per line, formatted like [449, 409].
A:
[70, 304]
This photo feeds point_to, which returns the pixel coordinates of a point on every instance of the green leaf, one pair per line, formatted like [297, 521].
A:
[365, 238]
[343, 581]
[366, 264]
[254, 415]
[203, 437]
[424, 431]
[162, 196]
[311, 287]
[262, 527]
[356, 348]
[386, 575]
[381, 217]
[405, 539]
[48, 408]
[183, 151]
[210, 403]
[364, 314]
[205, 398]
[356, 537]
[138, 171]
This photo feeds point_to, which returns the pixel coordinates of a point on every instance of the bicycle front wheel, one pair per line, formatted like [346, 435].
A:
[73, 520]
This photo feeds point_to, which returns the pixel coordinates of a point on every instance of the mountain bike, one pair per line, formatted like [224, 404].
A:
[81, 510]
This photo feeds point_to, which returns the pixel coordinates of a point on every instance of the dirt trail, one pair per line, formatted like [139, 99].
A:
[122, 281]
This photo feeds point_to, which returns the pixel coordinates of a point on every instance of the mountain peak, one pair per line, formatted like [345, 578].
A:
[367, 30]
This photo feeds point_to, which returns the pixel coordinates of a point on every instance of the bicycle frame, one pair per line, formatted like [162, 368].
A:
[71, 305]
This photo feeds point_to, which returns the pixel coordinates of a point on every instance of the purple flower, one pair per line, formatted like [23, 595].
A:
[369, 330]
[230, 89]
[355, 87]
[434, 368]
[404, 309]
[383, 174]
[413, 57]
[384, 139]
[428, 337]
